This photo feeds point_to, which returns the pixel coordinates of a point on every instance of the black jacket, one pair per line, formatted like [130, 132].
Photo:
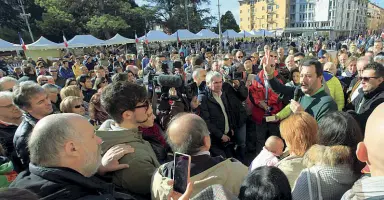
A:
[88, 94]
[65, 184]
[236, 98]
[20, 142]
[368, 104]
[211, 112]
[7, 131]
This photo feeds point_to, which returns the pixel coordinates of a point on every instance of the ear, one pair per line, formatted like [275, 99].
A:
[361, 152]
[207, 141]
[71, 149]
[127, 115]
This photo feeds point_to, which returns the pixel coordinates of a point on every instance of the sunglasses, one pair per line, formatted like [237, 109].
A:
[79, 106]
[297, 61]
[240, 57]
[52, 71]
[366, 79]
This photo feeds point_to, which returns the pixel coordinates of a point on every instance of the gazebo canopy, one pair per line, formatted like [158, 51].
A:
[207, 34]
[230, 33]
[85, 41]
[157, 36]
[118, 39]
[44, 43]
[245, 34]
[7, 46]
[256, 33]
[185, 34]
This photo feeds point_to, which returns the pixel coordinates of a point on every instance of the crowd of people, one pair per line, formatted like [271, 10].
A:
[273, 124]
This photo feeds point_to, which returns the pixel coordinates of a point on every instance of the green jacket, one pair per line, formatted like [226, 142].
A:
[142, 163]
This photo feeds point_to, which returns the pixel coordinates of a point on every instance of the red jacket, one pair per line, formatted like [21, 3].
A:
[257, 90]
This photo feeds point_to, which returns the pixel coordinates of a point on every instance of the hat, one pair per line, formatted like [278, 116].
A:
[321, 53]
[249, 58]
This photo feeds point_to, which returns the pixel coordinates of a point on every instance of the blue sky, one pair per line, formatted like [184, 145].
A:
[232, 5]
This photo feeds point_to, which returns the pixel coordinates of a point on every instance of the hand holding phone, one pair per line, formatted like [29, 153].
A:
[181, 172]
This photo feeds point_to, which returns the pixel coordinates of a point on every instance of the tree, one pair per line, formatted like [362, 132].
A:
[228, 22]
[172, 14]
[106, 24]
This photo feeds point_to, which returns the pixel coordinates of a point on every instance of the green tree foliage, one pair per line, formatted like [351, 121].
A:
[105, 24]
[172, 14]
[228, 22]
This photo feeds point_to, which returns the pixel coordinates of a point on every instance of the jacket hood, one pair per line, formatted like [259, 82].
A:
[112, 135]
[328, 156]
[365, 188]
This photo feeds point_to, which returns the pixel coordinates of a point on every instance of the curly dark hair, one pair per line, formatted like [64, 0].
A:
[119, 97]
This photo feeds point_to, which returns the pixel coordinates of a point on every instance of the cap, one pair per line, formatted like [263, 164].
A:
[321, 53]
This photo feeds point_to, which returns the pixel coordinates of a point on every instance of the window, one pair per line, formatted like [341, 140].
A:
[262, 25]
[262, 8]
[241, 11]
[241, 19]
[277, 6]
[347, 15]
[277, 15]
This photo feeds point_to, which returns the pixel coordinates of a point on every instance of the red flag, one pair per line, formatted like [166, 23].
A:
[137, 39]
[146, 39]
[22, 43]
[65, 41]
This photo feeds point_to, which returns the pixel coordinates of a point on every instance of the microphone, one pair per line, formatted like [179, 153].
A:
[297, 94]
[170, 81]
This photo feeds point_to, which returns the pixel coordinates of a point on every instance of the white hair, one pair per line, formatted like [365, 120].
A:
[6, 79]
[196, 72]
[211, 75]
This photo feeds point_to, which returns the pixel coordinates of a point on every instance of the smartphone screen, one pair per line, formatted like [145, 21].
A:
[181, 172]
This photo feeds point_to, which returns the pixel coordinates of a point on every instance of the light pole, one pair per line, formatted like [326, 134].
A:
[220, 34]
[25, 16]
[186, 9]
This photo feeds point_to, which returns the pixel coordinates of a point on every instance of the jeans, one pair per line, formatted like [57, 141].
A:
[240, 137]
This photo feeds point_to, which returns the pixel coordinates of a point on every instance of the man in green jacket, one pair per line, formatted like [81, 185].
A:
[313, 99]
[127, 105]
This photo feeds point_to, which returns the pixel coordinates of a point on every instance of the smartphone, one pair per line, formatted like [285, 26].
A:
[181, 170]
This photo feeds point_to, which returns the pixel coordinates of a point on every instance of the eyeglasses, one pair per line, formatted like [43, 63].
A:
[105, 82]
[240, 56]
[145, 105]
[297, 61]
[52, 71]
[366, 79]
[79, 106]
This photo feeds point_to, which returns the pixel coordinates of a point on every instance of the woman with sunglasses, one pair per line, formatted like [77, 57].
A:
[72, 104]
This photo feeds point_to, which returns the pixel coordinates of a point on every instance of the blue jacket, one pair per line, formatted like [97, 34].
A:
[66, 73]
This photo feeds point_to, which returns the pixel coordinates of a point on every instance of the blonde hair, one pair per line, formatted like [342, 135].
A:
[67, 104]
[328, 156]
[71, 90]
[299, 132]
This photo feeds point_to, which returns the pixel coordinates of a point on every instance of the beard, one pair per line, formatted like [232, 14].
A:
[92, 161]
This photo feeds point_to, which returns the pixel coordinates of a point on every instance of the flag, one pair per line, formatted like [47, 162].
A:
[178, 39]
[22, 42]
[146, 39]
[65, 41]
[136, 39]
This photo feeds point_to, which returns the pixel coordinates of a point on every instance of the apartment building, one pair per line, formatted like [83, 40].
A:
[375, 18]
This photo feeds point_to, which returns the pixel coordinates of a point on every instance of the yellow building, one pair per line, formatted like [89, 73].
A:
[375, 18]
[263, 14]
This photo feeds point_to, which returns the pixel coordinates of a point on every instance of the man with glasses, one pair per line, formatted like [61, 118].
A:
[59, 81]
[127, 105]
[10, 119]
[370, 95]
[239, 57]
[298, 57]
[7, 83]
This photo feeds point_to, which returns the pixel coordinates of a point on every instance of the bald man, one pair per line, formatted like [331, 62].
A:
[65, 153]
[188, 134]
[370, 152]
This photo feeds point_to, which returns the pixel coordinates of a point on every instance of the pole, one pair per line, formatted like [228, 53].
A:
[186, 9]
[220, 34]
[25, 16]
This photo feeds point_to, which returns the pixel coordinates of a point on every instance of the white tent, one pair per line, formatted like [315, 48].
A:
[44, 43]
[118, 39]
[256, 33]
[207, 34]
[230, 33]
[84, 41]
[185, 34]
[7, 46]
[157, 36]
[244, 33]
[268, 33]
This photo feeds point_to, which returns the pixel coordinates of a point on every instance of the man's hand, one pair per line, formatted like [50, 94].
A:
[268, 64]
[195, 102]
[295, 106]
[263, 105]
[110, 160]
[177, 196]
[236, 84]
[225, 138]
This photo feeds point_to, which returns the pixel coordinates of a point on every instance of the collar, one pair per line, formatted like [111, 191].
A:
[318, 91]
[217, 95]
[118, 128]
[202, 153]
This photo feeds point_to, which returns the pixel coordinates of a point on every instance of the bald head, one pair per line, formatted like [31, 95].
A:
[275, 145]
[186, 133]
[50, 134]
[373, 142]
